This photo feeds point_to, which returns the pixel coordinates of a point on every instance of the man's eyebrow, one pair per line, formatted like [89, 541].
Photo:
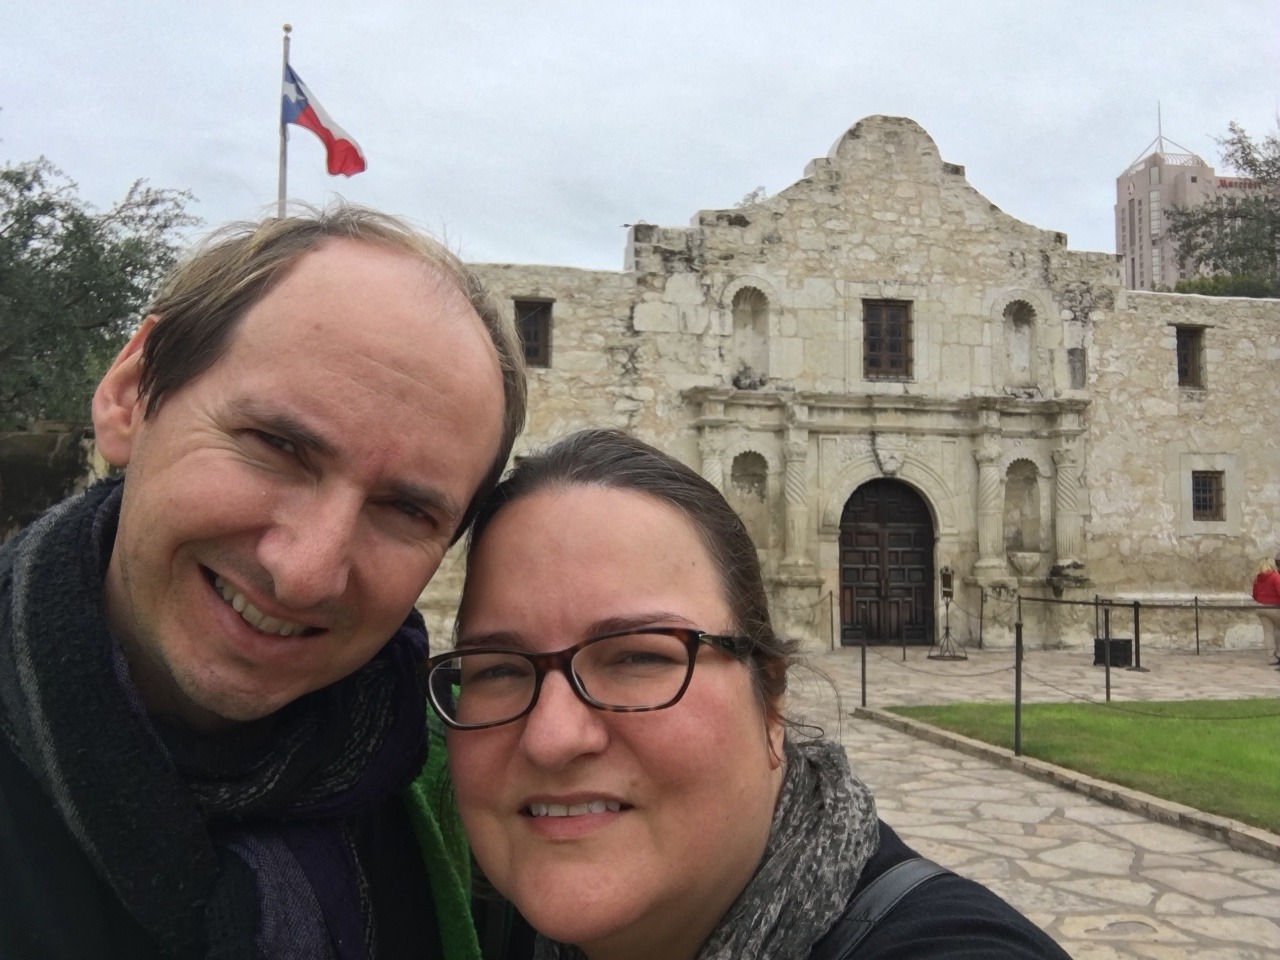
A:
[428, 498]
[288, 427]
[284, 425]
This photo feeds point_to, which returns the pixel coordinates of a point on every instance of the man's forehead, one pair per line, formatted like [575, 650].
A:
[338, 259]
[379, 286]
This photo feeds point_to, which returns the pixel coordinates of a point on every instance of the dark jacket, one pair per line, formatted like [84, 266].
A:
[948, 918]
[54, 905]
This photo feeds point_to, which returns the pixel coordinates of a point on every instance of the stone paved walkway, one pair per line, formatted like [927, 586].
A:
[1106, 883]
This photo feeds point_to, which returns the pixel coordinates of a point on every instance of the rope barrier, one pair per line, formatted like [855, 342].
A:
[1121, 604]
[1142, 713]
[903, 665]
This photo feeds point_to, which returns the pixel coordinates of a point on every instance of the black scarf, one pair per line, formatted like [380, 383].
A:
[823, 833]
[232, 846]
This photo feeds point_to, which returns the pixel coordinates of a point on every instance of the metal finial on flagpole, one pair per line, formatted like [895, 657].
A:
[284, 136]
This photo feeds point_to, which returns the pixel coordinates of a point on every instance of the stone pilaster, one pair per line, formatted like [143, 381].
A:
[711, 448]
[796, 492]
[1068, 519]
[990, 508]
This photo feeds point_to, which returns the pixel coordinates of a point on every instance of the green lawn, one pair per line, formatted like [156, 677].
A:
[1219, 756]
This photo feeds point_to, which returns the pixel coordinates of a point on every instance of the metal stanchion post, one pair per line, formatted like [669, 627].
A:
[982, 612]
[1106, 647]
[1017, 687]
[1137, 639]
[1196, 601]
[864, 670]
[831, 606]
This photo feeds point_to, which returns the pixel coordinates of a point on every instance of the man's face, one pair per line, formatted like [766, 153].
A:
[283, 511]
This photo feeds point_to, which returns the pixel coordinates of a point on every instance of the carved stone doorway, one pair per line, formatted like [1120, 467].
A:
[886, 566]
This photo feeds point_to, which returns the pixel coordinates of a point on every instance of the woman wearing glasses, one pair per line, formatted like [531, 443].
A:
[617, 742]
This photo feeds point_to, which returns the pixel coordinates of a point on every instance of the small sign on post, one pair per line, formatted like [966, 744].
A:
[948, 649]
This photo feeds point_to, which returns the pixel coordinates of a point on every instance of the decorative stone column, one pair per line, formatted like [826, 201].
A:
[1068, 521]
[796, 589]
[796, 492]
[990, 508]
[711, 448]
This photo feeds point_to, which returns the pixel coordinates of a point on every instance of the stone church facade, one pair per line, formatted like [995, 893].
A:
[892, 379]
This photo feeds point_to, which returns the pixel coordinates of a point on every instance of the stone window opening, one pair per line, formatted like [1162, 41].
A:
[1022, 508]
[750, 339]
[886, 340]
[1077, 367]
[749, 494]
[533, 320]
[1208, 495]
[1019, 335]
[1190, 349]
[1210, 489]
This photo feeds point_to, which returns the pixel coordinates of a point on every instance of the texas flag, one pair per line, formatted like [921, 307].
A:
[301, 107]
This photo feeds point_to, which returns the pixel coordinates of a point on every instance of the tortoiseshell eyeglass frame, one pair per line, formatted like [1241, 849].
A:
[737, 647]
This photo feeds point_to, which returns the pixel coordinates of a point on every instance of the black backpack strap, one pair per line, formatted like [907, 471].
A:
[872, 904]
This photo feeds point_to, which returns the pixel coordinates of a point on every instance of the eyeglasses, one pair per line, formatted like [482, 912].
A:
[625, 672]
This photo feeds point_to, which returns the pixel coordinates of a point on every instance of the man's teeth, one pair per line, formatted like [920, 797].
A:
[573, 810]
[255, 617]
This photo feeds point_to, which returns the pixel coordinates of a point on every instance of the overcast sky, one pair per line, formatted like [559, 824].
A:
[531, 131]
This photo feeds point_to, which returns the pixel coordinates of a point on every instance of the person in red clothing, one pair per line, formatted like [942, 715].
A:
[1266, 589]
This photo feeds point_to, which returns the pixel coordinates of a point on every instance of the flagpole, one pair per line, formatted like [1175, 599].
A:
[284, 136]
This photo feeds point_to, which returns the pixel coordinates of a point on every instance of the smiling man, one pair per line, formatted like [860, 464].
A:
[208, 669]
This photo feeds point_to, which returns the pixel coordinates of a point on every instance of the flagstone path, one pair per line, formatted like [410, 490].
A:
[1108, 883]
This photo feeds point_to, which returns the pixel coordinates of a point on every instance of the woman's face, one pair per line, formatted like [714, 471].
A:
[694, 785]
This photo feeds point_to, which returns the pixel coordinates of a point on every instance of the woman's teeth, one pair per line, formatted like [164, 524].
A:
[573, 810]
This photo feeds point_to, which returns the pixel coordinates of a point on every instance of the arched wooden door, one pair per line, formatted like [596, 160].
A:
[886, 565]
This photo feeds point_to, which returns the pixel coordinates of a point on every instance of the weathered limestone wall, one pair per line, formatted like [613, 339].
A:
[1041, 423]
[1146, 436]
[596, 379]
[881, 217]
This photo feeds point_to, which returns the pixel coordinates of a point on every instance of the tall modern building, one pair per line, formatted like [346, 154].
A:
[1162, 179]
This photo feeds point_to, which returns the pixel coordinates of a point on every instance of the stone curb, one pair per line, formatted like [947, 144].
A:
[1233, 833]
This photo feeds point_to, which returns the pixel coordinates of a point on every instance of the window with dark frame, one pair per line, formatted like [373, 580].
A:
[533, 320]
[886, 339]
[1208, 495]
[1190, 357]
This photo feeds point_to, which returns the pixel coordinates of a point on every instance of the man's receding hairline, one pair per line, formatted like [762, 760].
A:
[441, 276]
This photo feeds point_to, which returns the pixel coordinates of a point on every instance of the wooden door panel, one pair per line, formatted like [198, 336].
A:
[886, 565]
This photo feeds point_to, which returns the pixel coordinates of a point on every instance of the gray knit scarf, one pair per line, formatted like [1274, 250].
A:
[220, 847]
[823, 833]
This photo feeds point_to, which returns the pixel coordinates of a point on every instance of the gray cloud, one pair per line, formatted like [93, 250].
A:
[531, 132]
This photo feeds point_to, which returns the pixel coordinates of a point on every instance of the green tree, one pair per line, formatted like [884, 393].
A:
[1236, 237]
[73, 284]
